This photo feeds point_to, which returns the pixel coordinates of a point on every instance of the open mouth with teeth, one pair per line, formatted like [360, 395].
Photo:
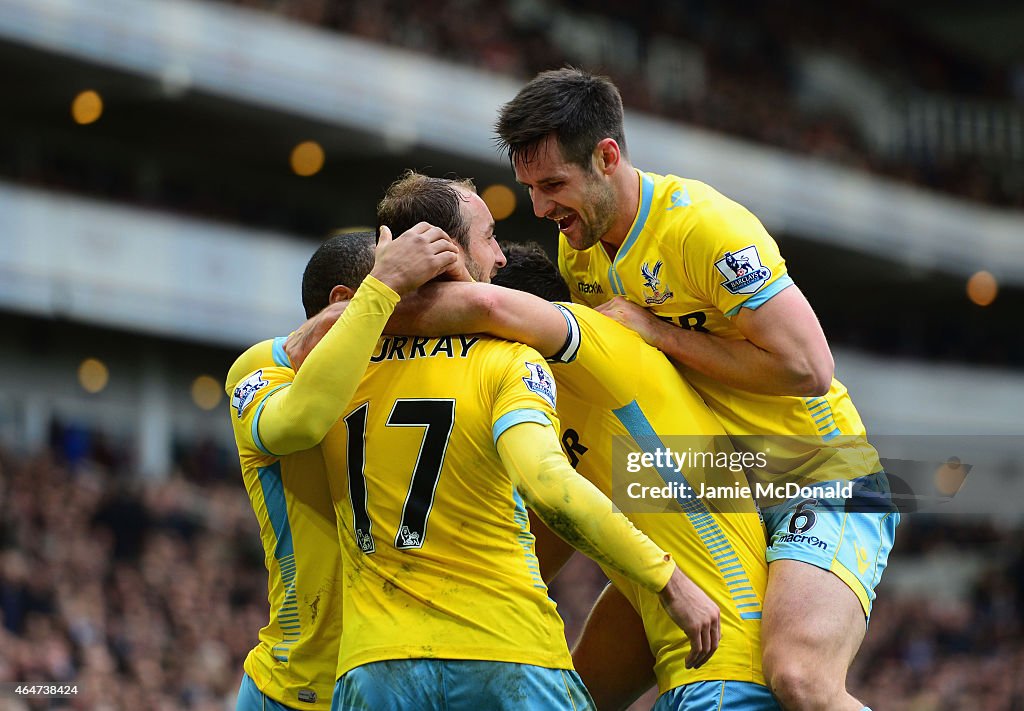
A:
[566, 221]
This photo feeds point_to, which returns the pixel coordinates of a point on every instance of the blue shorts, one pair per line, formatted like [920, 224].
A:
[250, 698]
[718, 696]
[458, 685]
[850, 536]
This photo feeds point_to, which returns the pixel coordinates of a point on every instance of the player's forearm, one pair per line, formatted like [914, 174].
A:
[576, 510]
[441, 309]
[300, 416]
[739, 363]
[446, 308]
[304, 339]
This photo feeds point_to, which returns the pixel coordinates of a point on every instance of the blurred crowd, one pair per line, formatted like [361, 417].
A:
[734, 67]
[939, 653]
[148, 595]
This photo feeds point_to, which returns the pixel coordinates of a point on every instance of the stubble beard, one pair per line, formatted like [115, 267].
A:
[475, 271]
[601, 201]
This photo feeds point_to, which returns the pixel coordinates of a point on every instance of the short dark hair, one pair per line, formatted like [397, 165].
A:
[415, 198]
[344, 258]
[529, 268]
[578, 108]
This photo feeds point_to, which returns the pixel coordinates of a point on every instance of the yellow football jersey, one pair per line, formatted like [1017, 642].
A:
[295, 659]
[695, 258]
[438, 556]
[617, 386]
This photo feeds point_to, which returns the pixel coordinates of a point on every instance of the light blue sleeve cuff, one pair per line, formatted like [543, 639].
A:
[511, 419]
[762, 296]
[256, 421]
[279, 354]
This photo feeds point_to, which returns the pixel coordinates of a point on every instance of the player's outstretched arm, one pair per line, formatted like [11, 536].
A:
[446, 308]
[552, 552]
[783, 352]
[443, 309]
[303, 339]
[578, 512]
[695, 613]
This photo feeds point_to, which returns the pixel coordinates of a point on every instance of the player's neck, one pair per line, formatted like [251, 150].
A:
[627, 198]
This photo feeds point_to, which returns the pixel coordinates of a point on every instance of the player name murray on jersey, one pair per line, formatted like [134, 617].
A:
[410, 348]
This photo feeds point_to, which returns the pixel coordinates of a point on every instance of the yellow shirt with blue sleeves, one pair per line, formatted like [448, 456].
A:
[613, 385]
[295, 659]
[694, 258]
[438, 556]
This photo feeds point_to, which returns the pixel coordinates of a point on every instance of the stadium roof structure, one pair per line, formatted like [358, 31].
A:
[388, 99]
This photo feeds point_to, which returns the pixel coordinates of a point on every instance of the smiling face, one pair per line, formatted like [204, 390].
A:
[482, 254]
[582, 202]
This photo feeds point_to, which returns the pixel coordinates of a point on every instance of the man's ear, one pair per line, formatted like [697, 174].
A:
[607, 156]
[340, 293]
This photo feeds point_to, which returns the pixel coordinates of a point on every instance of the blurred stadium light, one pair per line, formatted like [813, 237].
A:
[254, 58]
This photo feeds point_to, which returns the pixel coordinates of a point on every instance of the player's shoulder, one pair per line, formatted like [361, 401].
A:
[500, 364]
[674, 209]
[500, 350]
[265, 354]
[681, 192]
[583, 315]
[680, 200]
[596, 327]
[691, 216]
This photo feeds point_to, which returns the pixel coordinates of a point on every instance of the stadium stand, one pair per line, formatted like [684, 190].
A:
[742, 68]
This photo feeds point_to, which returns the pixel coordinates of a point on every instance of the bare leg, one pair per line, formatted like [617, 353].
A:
[612, 656]
[812, 627]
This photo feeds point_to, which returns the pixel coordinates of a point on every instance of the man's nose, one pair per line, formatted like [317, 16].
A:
[541, 206]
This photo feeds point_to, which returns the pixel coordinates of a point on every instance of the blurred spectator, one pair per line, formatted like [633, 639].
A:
[101, 585]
